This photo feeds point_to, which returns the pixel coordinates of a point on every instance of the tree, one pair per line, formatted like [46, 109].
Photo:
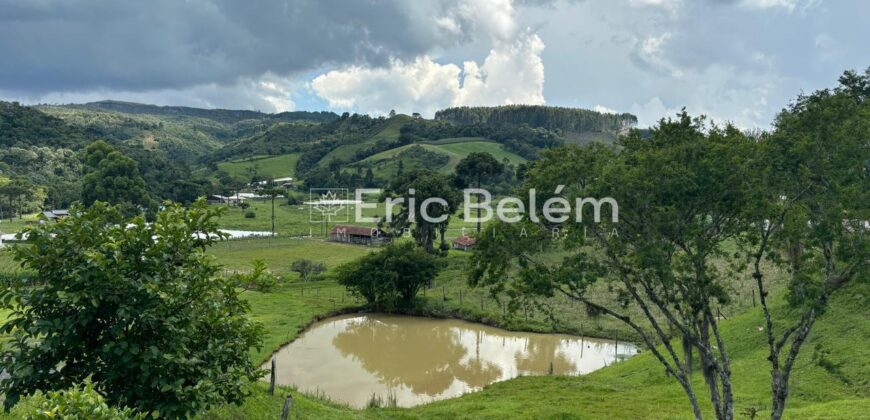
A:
[137, 307]
[16, 191]
[259, 278]
[476, 167]
[812, 220]
[391, 277]
[680, 198]
[425, 185]
[307, 269]
[114, 178]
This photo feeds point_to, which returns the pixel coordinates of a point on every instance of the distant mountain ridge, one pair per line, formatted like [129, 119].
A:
[227, 116]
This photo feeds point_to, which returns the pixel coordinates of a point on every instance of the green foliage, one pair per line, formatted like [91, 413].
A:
[114, 178]
[23, 126]
[426, 184]
[250, 215]
[549, 117]
[476, 167]
[308, 270]
[76, 403]
[259, 278]
[136, 306]
[391, 277]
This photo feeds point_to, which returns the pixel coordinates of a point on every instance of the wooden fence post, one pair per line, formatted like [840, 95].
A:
[288, 404]
[272, 378]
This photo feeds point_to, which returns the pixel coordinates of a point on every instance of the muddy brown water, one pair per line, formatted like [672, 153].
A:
[417, 360]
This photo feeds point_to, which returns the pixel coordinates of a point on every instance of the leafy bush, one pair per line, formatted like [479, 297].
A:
[259, 278]
[307, 269]
[250, 215]
[136, 306]
[77, 403]
[391, 277]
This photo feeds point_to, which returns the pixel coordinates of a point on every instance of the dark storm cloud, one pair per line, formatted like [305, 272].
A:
[78, 45]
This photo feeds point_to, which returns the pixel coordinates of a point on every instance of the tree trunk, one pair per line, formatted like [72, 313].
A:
[478, 207]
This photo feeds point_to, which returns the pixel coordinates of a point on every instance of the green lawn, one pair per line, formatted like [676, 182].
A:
[280, 252]
[17, 224]
[265, 166]
[295, 220]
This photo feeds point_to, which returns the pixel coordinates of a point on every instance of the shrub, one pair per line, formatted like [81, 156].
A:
[250, 215]
[307, 269]
[136, 306]
[259, 278]
[390, 277]
[77, 403]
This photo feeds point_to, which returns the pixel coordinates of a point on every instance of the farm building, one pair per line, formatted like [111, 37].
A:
[55, 214]
[360, 235]
[463, 242]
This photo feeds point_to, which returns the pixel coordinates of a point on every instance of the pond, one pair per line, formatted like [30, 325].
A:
[417, 360]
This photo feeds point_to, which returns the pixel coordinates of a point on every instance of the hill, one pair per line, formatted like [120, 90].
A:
[23, 126]
[226, 116]
[442, 156]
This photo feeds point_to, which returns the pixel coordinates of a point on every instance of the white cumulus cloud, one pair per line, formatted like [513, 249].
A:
[511, 73]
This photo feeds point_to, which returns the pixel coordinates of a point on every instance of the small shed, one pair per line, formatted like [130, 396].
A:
[360, 235]
[55, 214]
[464, 243]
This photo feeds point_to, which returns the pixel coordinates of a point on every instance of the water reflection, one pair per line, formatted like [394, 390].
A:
[422, 359]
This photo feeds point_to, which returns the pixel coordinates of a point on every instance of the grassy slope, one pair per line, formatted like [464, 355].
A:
[830, 378]
[385, 164]
[268, 167]
[389, 133]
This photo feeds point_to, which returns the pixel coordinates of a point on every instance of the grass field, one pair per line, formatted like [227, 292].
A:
[280, 252]
[265, 166]
[830, 380]
[385, 164]
[17, 224]
[295, 220]
[346, 152]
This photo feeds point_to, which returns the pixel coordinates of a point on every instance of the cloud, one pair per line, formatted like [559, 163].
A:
[77, 45]
[511, 73]
[789, 5]
[268, 93]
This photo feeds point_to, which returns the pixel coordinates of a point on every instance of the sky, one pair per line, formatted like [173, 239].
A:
[739, 61]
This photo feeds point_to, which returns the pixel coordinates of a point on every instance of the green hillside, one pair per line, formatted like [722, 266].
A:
[385, 164]
[265, 167]
[390, 133]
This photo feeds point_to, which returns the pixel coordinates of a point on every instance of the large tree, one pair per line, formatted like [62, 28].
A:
[815, 172]
[476, 167]
[112, 177]
[423, 185]
[137, 307]
[17, 191]
[680, 196]
[391, 277]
